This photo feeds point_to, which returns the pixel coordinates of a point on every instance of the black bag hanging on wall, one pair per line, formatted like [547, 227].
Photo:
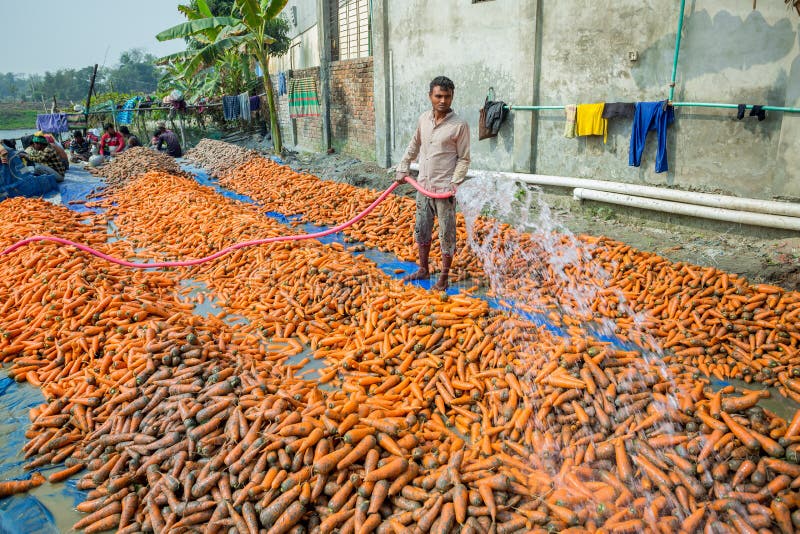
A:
[491, 116]
[484, 132]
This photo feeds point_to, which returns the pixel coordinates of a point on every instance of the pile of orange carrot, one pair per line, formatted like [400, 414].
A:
[438, 414]
[417, 324]
[713, 321]
[134, 162]
[217, 156]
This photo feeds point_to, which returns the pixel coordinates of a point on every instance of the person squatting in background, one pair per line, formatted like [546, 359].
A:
[166, 140]
[49, 159]
[112, 142]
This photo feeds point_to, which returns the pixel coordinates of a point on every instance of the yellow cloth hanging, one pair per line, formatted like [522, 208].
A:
[590, 120]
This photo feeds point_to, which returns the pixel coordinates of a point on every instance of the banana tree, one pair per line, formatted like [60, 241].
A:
[210, 38]
[220, 35]
[257, 17]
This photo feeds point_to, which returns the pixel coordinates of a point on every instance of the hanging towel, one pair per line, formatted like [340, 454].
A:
[231, 109]
[589, 120]
[651, 116]
[76, 121]
[281, 83]
[303, 101]
[571, 111]
[255, 103]
[126, 115]
[52, 123]
[244, 106]
[614, 110]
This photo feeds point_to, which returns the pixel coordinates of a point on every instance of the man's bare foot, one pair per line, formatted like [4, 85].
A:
[442, 283]
[420, 274]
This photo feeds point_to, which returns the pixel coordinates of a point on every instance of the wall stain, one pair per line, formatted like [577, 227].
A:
[711, 45]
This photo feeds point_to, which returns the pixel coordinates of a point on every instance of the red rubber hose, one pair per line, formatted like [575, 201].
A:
[220, 253]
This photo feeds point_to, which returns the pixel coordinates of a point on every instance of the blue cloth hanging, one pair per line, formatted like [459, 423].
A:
[231, 108]
[126, 115]
[281, 83]
[244, 106]
[52, 122]
[647, 117]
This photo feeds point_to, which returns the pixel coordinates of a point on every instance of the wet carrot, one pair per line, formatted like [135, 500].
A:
[20, 486]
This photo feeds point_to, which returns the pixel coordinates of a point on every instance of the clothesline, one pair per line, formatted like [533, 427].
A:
[153, 108]
[674, 104]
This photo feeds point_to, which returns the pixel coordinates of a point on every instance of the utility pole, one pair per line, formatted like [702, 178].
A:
[89, 96]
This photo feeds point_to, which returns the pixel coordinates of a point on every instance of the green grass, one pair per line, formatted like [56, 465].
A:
[15, 116]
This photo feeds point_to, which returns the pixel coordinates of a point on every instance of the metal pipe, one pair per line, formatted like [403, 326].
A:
[532, 108]
[677, 51]
[705, 212]
[676, 104]
[391, 102]
[732, 106]
[771, 207]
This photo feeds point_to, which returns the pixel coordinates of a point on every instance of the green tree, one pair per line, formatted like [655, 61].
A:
[217, 8]
[247, 29]
[136, 72]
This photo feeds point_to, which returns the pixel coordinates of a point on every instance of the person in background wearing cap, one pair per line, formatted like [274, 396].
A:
[164, 137]
[112, 142]
[46, 156]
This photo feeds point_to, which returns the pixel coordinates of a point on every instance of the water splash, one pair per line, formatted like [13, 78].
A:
[537, 265]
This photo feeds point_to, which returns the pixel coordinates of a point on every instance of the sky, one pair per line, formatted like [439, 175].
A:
[47, 35]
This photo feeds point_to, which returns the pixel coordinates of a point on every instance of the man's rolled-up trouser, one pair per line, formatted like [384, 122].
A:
[445, 210]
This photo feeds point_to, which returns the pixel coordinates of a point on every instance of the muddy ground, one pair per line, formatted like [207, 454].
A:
[760, 254]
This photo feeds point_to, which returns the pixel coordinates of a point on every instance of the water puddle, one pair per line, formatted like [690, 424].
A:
[776, 403]
[205, 303]
[308, 367]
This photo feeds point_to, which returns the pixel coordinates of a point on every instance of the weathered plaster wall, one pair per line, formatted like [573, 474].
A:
[477, 46]
[576, 51]
[304, 51]
[729, 53]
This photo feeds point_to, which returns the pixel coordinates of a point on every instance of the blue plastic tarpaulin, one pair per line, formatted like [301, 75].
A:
[50, 508]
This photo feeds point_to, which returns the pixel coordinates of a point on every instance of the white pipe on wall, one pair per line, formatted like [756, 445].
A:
[771, 207]
[705, 212]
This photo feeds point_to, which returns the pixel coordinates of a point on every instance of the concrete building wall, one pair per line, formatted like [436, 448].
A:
[351, 108]
[304, 50]
[477, 46]
[574, 51]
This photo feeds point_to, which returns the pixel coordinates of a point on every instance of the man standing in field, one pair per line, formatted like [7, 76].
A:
[441, 141]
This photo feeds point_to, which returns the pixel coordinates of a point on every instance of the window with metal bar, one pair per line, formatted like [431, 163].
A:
[349, 29]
